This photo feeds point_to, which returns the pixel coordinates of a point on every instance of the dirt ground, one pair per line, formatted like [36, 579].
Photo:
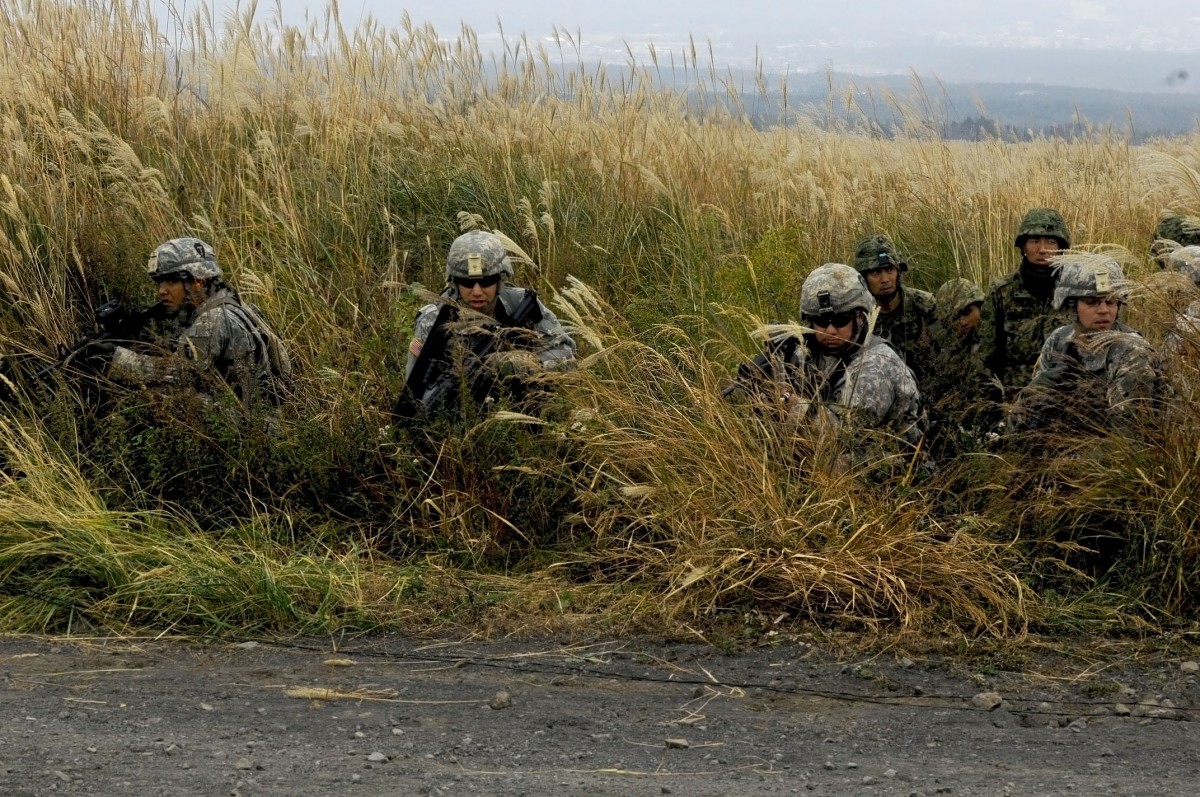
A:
[388, 715]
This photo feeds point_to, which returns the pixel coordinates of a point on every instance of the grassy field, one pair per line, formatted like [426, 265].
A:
[332, 167]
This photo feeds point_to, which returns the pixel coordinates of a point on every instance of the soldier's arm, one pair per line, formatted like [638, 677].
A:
[556, 348]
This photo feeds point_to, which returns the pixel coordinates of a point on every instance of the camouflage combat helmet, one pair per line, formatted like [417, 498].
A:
[1185, 260]
[1172, 231]
[183, 256]
[477, 254]
[874, 252]
[955, 296]
[834, 288]
[1043, 223]
[1080, 277]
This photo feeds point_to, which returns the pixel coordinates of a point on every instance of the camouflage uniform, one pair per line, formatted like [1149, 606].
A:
[871, 388]
[554, 347]
[221, 336]
[1089, 381]
[471, 350]
[1019, 314]
[865, 386]
[907, 326]
[1174, 231]
[962, 395]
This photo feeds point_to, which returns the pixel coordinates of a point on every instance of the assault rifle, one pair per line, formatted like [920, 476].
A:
[761, 368]
[435, 382]
[114, 323]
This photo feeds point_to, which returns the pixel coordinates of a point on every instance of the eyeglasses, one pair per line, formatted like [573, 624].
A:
[1096, 301]
[483, 282]
[830, 320]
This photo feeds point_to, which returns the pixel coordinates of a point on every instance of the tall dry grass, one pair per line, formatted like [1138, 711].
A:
[329, 167]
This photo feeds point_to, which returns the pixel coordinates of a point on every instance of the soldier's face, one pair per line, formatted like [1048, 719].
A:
[882, 282]
[835, 333]
[967, 320]
[1038, 251]
[479, 293]
[1097, 314]
[174, 293]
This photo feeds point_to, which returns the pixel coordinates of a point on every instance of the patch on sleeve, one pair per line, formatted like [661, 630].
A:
[415, 347]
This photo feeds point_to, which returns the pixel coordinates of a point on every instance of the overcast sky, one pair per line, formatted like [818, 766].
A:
[956, 40]
[1092, 23]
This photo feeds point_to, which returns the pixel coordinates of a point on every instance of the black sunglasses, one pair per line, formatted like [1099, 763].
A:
[483, 282]
[830, 320]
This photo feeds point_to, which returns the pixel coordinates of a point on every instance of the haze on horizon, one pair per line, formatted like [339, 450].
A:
[1018, 41]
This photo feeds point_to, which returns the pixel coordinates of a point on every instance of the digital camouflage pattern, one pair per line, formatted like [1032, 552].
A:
[189, 255]
[1185, 260]
[1019, 313]
[907, 328]
[1043, 223]
[876, 251]
[834, 288]
[554, 346]
[1172, 232]
[221, 336]
[1085, 275]
[1090, 382]
[962, 396]
[870, 389]
[477, 254]
[955, 296]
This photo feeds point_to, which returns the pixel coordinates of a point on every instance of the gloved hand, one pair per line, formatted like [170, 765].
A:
[1055, 375]
[508, 364]
[97, 354]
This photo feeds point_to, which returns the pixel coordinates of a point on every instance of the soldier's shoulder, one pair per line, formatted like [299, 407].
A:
[922, 300]
[1005, 284]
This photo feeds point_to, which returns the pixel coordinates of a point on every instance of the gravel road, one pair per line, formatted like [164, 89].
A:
[390, 715]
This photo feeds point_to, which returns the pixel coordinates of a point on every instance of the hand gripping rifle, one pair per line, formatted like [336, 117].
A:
[762, 368]
[114, 323]
[435, 382]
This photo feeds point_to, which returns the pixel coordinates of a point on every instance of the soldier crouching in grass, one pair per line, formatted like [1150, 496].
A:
[1094, 375]
[215, 334]
[482, 341]
[836, 376]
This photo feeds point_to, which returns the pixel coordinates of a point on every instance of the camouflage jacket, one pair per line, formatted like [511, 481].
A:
[961, 394]
[1016, 322]
[1090, 382]
[907, 329]
[221, 336]
[871, 389]
[554, 347]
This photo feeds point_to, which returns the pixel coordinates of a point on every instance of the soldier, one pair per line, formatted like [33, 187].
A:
[1020, 310]
[963, 396]
[215, 333]
[838, 373]
[1174, 231]
[1095, 373]
[482, 332]
[905, 314]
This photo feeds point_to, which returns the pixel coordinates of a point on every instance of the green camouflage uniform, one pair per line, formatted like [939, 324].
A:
[907, 328]
[1020, 314]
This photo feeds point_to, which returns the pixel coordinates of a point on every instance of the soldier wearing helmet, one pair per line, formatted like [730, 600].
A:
[480, 329]
[1093, 373]
[1020, 310]
[905, 314]
[837, 370]
[215, 333]
[962, 395]
[1174, 231]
